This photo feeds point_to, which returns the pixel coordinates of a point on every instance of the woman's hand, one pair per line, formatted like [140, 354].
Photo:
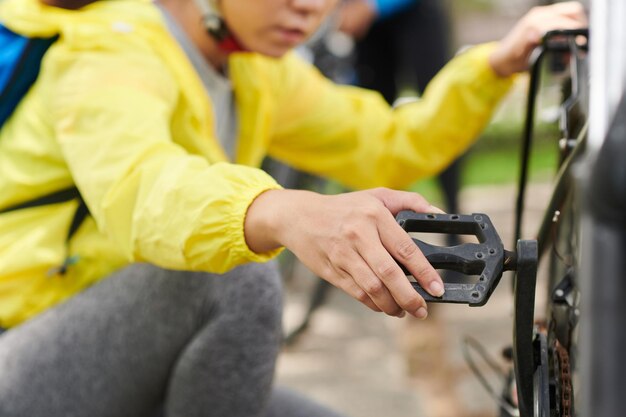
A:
[350, 240]
[513, 51]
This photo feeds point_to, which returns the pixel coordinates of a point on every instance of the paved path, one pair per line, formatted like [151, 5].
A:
[369, 365]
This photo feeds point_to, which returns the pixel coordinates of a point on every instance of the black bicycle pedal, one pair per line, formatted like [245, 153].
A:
[486, 259]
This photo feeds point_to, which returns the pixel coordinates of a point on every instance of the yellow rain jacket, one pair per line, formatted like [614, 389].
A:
[118, 111]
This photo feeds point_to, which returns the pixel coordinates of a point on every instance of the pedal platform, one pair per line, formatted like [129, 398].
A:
[486, 259]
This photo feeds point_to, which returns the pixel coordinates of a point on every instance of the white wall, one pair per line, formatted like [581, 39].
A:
[608, 64]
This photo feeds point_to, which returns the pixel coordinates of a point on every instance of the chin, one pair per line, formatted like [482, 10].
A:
[273, 52]
[272, 49]
[278, 54]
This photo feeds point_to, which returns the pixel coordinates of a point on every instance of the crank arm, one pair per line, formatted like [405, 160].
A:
[486, 259]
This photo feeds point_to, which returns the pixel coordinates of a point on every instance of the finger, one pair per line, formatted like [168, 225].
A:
[435, 209]
[347, 284]
[560, 23]
[390, 274]
[400, 245]
[396, 201]
[365, 278]
[342, 280]
[570, 8]
[536, 33]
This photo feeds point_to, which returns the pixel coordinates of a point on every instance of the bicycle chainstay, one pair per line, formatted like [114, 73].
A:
[487, 259]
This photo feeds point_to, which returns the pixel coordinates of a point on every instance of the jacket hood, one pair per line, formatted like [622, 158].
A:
[35, 19]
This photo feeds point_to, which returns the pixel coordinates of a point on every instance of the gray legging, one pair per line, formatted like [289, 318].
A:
[148, 341]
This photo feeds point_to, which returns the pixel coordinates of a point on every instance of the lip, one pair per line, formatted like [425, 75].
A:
[291, 35]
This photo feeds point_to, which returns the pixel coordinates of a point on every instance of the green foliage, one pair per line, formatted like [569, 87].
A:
[495, 158]
[473, 6]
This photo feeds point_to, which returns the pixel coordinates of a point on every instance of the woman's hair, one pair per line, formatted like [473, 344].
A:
[68, 4]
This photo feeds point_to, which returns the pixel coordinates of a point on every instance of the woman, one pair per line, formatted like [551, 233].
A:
[159, 115]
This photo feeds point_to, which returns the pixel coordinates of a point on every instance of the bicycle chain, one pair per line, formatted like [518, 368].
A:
[565, 377]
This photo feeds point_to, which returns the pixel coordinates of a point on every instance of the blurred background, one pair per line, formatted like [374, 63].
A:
[365, 364]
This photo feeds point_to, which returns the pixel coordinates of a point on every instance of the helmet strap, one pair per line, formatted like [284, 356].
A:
[217, 28]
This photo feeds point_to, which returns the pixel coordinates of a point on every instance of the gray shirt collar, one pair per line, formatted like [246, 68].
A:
[218, 86]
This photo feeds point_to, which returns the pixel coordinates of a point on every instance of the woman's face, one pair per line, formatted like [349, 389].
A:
[273, 27]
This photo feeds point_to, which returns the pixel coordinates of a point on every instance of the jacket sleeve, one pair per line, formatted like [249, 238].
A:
[154, 199]
[352, 135]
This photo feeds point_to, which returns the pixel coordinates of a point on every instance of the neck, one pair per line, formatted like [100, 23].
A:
[188, 17]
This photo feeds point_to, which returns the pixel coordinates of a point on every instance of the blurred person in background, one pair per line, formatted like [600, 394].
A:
[135, 222]
[401, 44]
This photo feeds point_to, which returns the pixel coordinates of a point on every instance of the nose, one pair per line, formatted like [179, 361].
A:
[309, 6]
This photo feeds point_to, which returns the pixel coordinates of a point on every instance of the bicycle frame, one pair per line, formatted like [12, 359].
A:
[541, 354]
[548, 389]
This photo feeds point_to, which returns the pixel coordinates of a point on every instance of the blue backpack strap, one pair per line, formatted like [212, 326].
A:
[20, 61]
